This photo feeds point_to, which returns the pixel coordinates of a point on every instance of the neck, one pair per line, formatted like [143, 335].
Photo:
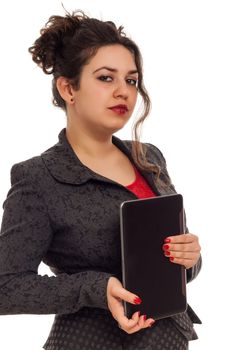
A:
[91, 144]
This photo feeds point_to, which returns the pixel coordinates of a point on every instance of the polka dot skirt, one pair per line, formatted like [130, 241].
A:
[93, 330]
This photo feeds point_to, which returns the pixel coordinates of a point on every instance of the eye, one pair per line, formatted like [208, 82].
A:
[105, 78]
[131, 81]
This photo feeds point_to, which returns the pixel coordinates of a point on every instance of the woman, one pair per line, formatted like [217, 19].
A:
[63, 206]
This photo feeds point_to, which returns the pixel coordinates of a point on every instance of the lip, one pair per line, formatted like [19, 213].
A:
[119, 109]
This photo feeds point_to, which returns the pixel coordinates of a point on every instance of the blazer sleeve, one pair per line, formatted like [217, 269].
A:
[193, 271]
[24, 240]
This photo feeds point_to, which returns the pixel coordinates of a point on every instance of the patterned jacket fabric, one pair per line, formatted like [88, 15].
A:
[62, 213]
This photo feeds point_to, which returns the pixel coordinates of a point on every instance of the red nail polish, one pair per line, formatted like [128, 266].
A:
[139, 313]
[167, 240]
[167, 253]
[144, 317]
[137, 301]
[166, 247]
[171, 258]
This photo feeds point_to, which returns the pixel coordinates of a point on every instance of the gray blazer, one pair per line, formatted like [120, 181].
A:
[60, 212]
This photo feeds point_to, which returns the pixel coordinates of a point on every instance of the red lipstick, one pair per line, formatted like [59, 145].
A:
[119, 109]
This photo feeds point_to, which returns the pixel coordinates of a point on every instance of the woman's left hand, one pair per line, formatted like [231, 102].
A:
[182, 249]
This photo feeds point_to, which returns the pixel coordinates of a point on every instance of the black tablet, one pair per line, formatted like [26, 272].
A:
[161, 284]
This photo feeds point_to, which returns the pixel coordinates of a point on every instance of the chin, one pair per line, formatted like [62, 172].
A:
[113, 130]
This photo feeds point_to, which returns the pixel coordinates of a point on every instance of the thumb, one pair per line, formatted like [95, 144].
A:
[122, 293]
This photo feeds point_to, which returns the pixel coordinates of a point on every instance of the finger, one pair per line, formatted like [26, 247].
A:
[123, 321]
[182, 254]
[136, 316]
[145, 322]
[142, 323]
[182, 238]
[193, 246]
[170, 249]
[142, 320]
[129, 325]
[123, 294]
[187, 263]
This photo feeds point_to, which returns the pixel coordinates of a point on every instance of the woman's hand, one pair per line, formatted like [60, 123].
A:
[115, 294]
[182, 249]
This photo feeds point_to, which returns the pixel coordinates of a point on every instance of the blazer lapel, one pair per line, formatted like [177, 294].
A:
[64, 165]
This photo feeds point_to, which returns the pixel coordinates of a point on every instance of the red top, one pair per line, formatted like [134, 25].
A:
[140, 187]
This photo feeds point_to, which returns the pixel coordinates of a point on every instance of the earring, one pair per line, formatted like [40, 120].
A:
[71, 100]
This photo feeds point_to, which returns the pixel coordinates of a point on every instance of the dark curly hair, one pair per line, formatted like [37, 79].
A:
[67, 43]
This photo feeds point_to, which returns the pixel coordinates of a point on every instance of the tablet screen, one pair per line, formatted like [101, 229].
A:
[161, 285]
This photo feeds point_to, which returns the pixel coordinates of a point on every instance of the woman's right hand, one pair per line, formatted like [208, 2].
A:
[115, 294]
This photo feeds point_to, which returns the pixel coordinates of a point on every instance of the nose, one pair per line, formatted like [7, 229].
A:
[121, 90]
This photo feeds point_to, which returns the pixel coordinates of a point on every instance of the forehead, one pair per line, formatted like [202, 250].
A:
[116, 56]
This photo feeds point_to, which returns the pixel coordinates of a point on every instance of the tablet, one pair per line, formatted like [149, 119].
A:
[161, 284]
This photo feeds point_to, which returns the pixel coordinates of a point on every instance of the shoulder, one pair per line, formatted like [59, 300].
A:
[152, 152]
[155, 153]
[32, 168]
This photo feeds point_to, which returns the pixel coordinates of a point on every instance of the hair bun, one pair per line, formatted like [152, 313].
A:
[50, 43]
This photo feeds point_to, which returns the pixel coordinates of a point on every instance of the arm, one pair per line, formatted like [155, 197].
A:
[24, 240]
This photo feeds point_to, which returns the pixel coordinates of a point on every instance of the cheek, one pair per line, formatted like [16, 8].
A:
[103, 91]
[134, 97]
[99, 93]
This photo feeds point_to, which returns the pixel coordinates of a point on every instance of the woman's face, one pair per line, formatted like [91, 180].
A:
[107, 93]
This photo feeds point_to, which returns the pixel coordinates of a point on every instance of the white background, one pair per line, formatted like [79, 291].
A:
[188, 66]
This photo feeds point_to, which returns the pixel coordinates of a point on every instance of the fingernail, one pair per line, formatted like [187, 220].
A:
[144, 317]
[137, 300]
[152, 322]
[139, 313]
[166, 247]
[167, 253]
[171, 258]
[167, 240]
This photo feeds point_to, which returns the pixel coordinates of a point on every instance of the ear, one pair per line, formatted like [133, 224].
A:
[65, 89]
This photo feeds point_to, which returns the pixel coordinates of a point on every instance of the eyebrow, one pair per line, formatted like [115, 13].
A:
[115, 70]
